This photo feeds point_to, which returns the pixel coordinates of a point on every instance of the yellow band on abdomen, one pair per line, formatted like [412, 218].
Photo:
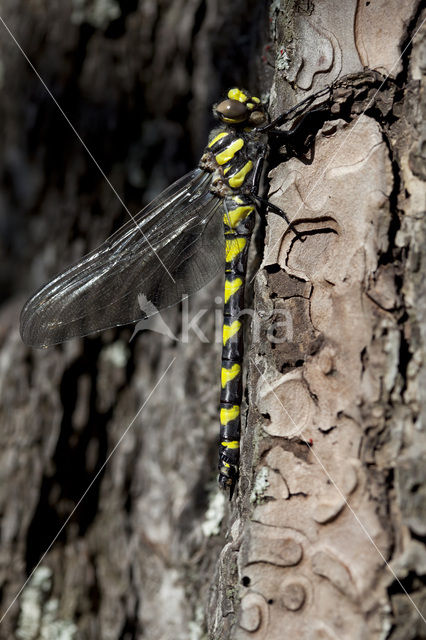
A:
[234, 247]
[233, 217]
[227, 415]
[229, 374]
[231, 287]
[230, 330]
[233, 444]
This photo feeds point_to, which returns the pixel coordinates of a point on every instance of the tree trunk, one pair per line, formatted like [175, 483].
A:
[327, 541]
[117, 523]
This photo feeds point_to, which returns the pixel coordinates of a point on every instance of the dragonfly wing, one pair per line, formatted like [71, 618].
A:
[174, 249]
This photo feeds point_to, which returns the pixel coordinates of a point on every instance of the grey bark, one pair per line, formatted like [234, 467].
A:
[328, 537]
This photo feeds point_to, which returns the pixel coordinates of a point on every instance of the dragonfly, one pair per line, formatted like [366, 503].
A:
[172, 248]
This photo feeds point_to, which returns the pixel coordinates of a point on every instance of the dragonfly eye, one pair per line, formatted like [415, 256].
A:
[257, 118]
[232, 111]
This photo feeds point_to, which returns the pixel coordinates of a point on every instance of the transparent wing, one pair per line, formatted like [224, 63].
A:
[176, 247]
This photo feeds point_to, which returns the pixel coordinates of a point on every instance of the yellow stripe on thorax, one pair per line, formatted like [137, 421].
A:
[230, 330]
[227, 375]
[233, 444]
[237, 180]
[233, 217]
[227, 415]
[234, 247]
[227, 154]
[231, 287]
[217, 138]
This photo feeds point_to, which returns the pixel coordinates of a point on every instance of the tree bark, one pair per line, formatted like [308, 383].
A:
[327, 528]
[130, 559]
[328, 535]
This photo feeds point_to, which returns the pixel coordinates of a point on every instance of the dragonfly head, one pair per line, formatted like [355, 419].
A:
[240, 108]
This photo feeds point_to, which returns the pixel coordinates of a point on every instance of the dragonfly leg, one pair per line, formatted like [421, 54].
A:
[288, 135]
[292, 113]
[254, 192]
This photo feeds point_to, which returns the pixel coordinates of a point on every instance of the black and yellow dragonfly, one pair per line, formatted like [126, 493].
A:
[172, 248]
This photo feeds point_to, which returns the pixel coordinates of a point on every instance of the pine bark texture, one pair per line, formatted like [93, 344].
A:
[332, 482]
[327, 540]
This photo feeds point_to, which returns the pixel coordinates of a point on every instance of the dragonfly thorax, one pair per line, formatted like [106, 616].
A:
[231, 156]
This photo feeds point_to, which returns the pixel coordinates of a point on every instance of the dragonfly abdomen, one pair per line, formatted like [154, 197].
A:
[238, 226]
